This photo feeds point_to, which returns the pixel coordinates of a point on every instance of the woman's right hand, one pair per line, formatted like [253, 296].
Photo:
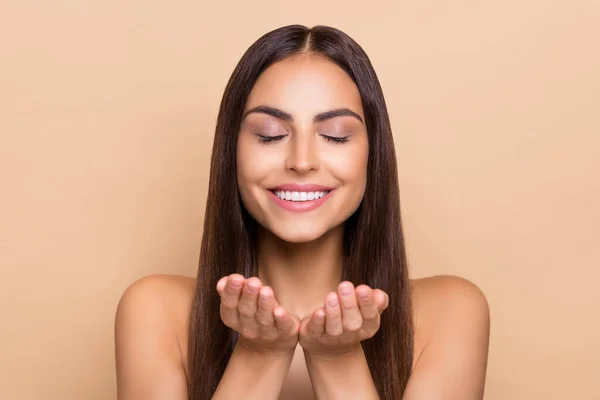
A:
[250, 308]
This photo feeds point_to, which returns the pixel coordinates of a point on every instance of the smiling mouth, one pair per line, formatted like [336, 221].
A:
[299, 196]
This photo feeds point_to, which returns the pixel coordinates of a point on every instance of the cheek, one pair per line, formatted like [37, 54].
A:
[350, 166]
[254, 164]
[245, 170]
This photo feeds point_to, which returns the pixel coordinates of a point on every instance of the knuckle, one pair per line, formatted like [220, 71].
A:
[335, 332]
[228, 302]
[316, 332]
[246, 310]
[371, 326]
[233, 285]
[245, 313]
[263, 321]
[353, 326]
[372, 320]
[249, 333]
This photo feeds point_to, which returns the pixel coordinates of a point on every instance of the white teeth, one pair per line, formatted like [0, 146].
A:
[299, 196]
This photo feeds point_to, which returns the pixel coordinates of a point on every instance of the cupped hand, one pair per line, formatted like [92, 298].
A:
[348, 317]
[250, 308]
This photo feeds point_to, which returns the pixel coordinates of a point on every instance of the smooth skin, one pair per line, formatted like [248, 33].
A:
[329, 336]
[298, 343]
[151, 332]
[348, 317]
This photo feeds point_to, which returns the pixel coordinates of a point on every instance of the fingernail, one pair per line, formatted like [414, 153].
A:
[346, 289]
[333, 301]
[363, 294]
[235, 283]
[253, 288]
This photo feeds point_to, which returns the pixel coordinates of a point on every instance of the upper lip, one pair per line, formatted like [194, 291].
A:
[302, 187]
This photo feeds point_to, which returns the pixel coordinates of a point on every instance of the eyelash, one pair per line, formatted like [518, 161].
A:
[335, 139]
[270, 139]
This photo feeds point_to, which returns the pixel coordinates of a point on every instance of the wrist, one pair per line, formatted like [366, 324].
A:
[254, 374]
[341, 374]
[250, 351]
[343, 354]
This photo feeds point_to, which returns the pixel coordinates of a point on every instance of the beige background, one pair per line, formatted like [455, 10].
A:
[107, 111]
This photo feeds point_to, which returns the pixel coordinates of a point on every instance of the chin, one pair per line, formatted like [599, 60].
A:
[298, 233]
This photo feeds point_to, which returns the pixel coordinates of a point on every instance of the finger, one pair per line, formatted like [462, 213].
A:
[283, 319]
[316, 324]
[333, 315]
[264, 314]
[247, 307]
[382, 299]
[351, 315]
[232, 290]
[221, 285]
[368, 308]
[230, 299]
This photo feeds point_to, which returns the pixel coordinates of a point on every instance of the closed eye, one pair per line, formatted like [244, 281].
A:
[335, 139]
[269, 139]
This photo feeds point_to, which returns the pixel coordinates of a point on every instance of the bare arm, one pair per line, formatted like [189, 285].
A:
[253, 376]
[453, 363]
[331, 337]
[148, 361]
[345, 376]
[265, 348]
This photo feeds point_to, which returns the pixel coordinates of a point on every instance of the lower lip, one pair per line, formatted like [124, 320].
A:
[300, 206]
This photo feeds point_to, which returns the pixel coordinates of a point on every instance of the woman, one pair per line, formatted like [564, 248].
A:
[302, 289]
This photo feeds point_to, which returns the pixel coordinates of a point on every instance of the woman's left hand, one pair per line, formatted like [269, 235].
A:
[349, 316]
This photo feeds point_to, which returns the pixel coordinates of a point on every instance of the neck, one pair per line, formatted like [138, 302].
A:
[301, 274]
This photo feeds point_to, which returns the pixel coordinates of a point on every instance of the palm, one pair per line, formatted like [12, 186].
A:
[348, 317]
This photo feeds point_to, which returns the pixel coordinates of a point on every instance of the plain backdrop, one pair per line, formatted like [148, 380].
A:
[107, 115]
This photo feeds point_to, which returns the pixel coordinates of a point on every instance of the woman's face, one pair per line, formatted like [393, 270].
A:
[302, 148]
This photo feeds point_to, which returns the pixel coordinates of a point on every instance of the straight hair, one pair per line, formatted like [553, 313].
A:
[374, 251]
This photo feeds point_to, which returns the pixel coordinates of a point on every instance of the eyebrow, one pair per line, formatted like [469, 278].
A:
[279, 114]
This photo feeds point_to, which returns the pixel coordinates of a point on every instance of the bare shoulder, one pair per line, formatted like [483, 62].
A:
[151, 337]
[452, 324]
[159, 293]
[447, 292]
[446, 301]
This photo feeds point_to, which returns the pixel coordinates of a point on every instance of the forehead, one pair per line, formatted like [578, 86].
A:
[305, 85]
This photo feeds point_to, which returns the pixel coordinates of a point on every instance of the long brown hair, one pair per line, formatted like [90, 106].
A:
[373, 239]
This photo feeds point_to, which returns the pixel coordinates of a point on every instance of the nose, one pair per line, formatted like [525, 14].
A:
[303, 155]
